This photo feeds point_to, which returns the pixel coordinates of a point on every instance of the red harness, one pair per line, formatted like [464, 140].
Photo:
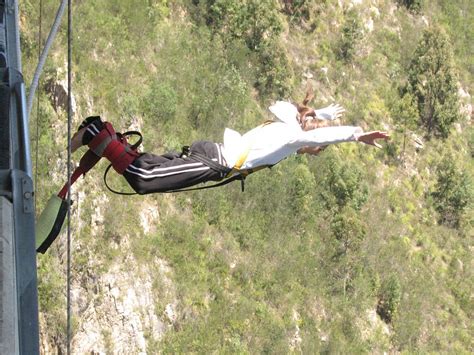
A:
[114, 147]
[108, 144]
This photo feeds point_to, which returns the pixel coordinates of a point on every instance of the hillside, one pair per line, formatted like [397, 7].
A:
[356, 250]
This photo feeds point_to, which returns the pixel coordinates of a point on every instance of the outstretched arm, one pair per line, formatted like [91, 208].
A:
[367, 138]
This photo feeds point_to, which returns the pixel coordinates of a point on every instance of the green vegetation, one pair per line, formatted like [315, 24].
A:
[433, 82]
[389, 299]
[414, 6]
[452, 192]
[255, 24]
[315, 246]
[351, 34]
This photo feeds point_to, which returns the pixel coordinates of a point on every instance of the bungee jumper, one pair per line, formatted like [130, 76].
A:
[297, 128]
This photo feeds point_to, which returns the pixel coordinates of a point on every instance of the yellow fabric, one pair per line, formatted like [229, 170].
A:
[243, 157]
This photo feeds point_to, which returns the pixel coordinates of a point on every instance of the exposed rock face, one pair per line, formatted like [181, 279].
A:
[295, 339]
[375, 324]
[466, 103]
[120, 317]
[148, 218]
[119, 310]
[59, 95]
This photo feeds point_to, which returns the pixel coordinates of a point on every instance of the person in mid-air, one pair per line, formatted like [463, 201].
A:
[297, 128]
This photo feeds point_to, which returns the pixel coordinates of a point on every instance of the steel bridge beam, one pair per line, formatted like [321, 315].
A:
[19, 331]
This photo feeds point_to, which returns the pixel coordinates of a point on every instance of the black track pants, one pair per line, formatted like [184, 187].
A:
[159, 173]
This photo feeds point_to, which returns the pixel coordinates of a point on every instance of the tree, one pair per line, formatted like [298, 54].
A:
[405, 113]
[351, 34]
[343, 183]
[432, 81]
[452, 192]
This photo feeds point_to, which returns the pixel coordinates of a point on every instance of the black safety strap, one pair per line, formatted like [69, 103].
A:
[111, 189]
[222, 183]
[224, 170]
[239, 176]
[135, 145]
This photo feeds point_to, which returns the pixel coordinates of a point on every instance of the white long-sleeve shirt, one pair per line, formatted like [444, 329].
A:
[270, 143]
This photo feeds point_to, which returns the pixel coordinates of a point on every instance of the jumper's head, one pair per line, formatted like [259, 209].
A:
[303, 109]
[307, 116]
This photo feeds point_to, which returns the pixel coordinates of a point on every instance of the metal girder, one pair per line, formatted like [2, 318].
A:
[19, 331]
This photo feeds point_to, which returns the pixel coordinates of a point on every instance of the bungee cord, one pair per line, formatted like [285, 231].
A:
[69, 124]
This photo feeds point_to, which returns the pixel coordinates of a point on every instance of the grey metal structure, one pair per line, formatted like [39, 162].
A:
[19, 333]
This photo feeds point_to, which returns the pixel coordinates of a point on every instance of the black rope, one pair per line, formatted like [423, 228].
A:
[135, 145]
[69, 128]
[111, 189]
[239, 177]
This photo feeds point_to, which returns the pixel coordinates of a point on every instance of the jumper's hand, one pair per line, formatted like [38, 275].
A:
[370, 137]
[330, 113]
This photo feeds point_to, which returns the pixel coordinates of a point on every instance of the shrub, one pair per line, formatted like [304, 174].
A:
[414, 6]
[433, 83]
[389, 299]
[405, 116]
[452, 192]
[343, 184]
[301, 189]
[274, 73]
[351, 34]
[255, 22]
[161, 101]
[348, 230]
[51, 302]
